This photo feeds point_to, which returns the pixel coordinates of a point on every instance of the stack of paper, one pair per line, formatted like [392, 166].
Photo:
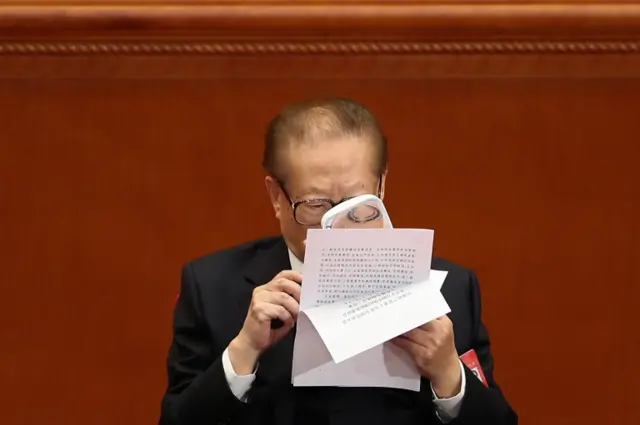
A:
[362, 288]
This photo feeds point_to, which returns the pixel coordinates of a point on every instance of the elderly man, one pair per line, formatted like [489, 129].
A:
[228, 365]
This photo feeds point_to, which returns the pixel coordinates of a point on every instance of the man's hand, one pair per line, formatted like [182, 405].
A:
[278, 299]
[433, 349]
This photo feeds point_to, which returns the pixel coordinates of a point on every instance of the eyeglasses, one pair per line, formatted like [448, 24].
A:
[309, 212]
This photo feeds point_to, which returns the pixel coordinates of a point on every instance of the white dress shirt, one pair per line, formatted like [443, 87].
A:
[447, 409]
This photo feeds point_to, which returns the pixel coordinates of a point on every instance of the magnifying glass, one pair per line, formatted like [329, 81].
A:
[361, 212]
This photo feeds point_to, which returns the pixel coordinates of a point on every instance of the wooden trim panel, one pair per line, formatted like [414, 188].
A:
[366, 27]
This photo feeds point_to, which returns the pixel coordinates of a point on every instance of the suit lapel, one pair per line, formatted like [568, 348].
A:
[450, 293]
[268, 262]
[273, 378]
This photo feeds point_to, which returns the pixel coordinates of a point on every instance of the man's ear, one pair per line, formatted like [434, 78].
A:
[383, 181]
[274, 191]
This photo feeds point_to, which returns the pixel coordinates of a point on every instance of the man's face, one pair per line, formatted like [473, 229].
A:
[335, 170]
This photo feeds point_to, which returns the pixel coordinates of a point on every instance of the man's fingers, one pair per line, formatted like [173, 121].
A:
[291, 275]
[280, 299]
[436, 323]
[287, 301]
[266, 312]
[432, 336]
[429, 326]
[285, 285]
[417, 335]
[408, 345]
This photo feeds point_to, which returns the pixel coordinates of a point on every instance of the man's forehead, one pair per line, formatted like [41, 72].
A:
[324, 186]
[323, 140]
[329, 166]
[331, 185]
[325, 152]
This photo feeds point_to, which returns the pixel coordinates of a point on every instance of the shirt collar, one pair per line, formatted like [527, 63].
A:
[296, 264]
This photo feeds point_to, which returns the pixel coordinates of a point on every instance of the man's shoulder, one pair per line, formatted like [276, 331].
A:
[457, 275]
[439, 263]
[233, 257]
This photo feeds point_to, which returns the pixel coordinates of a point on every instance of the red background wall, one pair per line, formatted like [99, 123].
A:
[130, 142]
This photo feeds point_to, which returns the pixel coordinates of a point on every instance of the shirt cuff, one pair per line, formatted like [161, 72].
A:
[238, 384]
[447, 409]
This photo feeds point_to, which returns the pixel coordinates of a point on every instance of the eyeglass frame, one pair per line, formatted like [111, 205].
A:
[296, 204]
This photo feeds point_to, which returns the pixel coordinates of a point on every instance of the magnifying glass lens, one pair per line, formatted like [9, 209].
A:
[360, 216]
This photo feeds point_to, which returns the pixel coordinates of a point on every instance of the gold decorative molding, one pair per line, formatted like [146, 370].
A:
[315, 47]
[301, 21]
[311, 27]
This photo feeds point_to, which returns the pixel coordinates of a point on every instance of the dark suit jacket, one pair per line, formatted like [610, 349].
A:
[214, 299]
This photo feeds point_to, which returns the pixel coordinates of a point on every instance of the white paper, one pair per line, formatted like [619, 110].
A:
[362, 288]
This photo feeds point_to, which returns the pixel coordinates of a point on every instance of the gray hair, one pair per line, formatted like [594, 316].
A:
[327, 118]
